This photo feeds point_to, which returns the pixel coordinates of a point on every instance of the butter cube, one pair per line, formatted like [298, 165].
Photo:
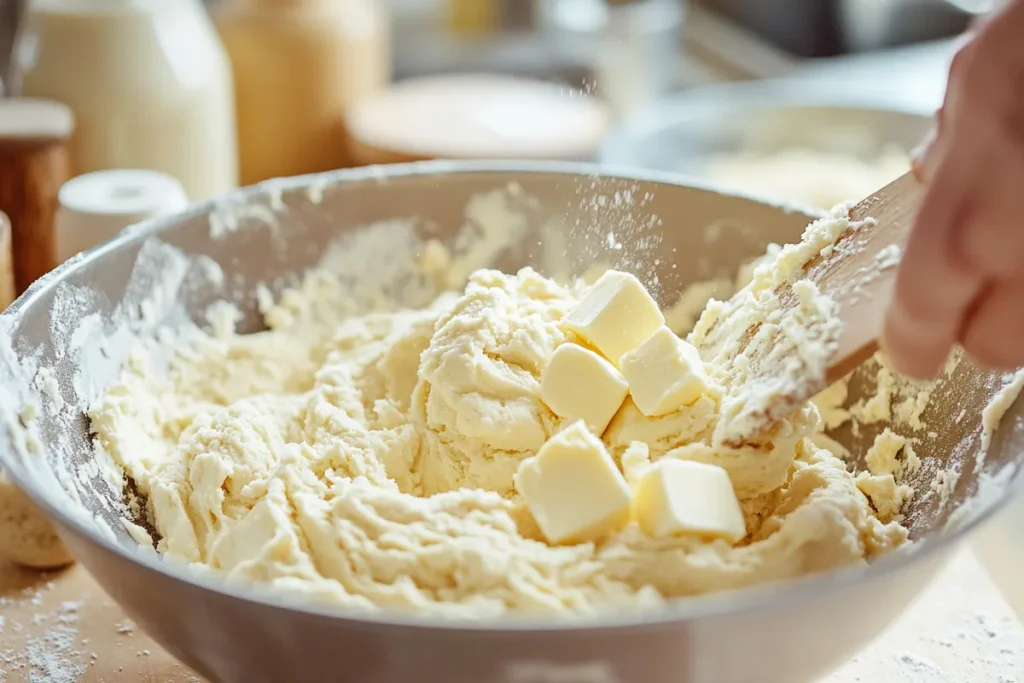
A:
[685, 498]
[573, 488]
[581, 385]
[615, 315]
[664, 374]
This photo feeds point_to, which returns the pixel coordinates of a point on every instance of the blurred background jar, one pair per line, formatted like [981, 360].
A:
[633, 45]
[148, 81]
[298, 66]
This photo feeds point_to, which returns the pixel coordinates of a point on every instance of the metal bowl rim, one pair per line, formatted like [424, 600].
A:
[674, 612]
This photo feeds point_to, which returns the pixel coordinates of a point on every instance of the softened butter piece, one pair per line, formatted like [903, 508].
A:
[615, 315]
[578, 384]
[664, 374]
[573, 488]
[684, 498]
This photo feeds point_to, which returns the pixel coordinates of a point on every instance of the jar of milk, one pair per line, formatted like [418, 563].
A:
[149, 83]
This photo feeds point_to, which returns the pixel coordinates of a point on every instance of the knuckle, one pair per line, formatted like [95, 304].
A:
[979, 249]
[961, 60]
[979, 74]
[922, 304]
[975, 249]
[993, 335]
[992, 244]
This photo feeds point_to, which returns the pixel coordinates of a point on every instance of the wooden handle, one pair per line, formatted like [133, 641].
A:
[34, 165]
[857, 273]
[6, 264]
[861, 280]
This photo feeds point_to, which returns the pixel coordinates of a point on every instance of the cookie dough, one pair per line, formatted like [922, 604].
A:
[369, 462]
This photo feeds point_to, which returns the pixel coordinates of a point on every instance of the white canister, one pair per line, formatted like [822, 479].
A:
[149, 83]
[95, 207]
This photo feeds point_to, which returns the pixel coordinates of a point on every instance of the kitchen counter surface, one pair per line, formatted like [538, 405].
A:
[62, 629]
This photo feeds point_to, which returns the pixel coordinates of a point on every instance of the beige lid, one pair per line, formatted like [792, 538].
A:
[480, 116]
[34, 121]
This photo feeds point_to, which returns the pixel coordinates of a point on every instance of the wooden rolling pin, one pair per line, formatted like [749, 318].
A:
[34, 164]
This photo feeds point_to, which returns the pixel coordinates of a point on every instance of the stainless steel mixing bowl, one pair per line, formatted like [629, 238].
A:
[683, 132]
[789, 633]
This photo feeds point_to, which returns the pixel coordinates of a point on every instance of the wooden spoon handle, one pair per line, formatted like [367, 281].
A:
[861, 282]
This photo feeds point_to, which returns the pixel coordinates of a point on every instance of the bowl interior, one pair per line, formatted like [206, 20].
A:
[685, 134]
[64, 341]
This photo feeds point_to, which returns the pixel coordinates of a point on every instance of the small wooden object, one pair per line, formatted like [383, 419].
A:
[474, 116]
[34, 164]
[6, 264]
[858, 275]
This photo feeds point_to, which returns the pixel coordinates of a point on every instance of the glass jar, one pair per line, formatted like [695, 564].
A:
[148, 81]
[298, 67]
[634, 45]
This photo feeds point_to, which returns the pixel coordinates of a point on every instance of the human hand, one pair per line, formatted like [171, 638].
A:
[962, 275]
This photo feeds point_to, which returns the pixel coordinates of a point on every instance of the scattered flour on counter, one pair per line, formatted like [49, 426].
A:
[959, 631]
[51, 654]
[916, 665]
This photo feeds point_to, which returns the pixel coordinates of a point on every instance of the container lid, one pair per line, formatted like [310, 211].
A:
[96, 206]
[480, 116]
[28, 120]
[122, 192]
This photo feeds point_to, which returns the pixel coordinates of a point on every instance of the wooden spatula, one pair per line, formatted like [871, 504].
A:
[858, 274]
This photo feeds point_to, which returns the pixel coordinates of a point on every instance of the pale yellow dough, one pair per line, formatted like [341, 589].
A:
[368, 462]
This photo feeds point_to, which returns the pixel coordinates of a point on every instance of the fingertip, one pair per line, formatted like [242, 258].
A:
[911, 354]
[910, 366]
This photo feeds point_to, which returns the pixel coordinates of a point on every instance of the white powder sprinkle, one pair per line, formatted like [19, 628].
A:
[49, 654]
[52, 657]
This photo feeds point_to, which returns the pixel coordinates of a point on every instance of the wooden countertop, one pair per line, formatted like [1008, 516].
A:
[61, 628]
